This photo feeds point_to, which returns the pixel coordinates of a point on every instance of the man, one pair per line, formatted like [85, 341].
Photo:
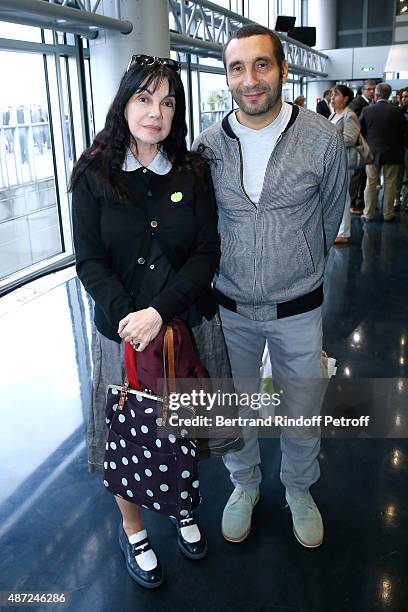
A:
[384, 127]
[280, 177]
[401, 197]
[358, 180]
[323, 106]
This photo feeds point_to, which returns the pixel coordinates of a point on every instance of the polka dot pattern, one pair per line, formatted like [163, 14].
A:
[166, 479]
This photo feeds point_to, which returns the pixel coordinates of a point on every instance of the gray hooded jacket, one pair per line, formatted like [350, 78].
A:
[273, 253]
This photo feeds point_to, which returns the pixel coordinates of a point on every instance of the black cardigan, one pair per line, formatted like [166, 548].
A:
[113, 243]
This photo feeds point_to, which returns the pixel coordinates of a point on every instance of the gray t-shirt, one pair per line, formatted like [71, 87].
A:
[257, 147]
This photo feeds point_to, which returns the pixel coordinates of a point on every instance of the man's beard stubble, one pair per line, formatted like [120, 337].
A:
[272, 97]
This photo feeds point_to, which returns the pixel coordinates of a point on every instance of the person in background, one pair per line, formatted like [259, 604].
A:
[346, 121]
[384, 127]
[323, 106]
[358, 179]
[147, 247]
[300, 101]
[401, 197]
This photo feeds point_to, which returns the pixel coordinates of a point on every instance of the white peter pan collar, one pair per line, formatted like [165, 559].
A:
[159, 165]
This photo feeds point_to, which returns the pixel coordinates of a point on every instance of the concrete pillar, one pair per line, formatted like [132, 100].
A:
[110, 51]
[322, 14]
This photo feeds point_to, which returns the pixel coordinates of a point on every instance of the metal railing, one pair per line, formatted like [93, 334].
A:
[202, 28]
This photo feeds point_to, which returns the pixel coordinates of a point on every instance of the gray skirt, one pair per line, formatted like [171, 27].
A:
[107, 358]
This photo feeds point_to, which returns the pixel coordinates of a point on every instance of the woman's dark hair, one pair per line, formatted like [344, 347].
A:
[110, 145]
[345, 91]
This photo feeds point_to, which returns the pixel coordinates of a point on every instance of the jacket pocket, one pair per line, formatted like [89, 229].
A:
[305, 253]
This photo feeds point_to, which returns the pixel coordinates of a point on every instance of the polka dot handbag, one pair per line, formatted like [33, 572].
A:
[156, 473]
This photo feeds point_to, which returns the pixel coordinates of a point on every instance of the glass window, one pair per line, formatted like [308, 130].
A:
[258, 11]
[29, 224]
[19, 32]
[215, 99]
[286, 7]
[49, 37]
[287, 92]
[273, 13]
[224, 3]
[236, 6]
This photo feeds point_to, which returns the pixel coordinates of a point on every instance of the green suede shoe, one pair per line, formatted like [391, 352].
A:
[307, 520]
[237, 515]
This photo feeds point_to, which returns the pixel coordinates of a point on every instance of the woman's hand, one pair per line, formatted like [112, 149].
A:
[140, 327]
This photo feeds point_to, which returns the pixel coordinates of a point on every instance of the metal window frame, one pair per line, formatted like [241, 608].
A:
[63, 259]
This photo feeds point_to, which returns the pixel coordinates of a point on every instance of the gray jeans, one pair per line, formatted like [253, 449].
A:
[295, 345]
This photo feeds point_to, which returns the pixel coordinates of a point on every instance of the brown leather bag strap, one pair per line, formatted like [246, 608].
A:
[169, 370]
[169, 337]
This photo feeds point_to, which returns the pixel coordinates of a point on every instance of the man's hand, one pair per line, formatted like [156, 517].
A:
[140, 327]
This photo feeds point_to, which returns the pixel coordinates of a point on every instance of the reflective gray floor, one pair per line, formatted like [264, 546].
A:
[58, 526]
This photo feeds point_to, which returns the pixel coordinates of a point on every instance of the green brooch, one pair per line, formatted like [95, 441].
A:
[176, 197]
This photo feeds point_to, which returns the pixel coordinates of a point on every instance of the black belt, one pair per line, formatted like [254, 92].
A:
[307, 302]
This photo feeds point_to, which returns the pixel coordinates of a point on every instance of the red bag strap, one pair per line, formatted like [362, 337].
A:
[130, 367]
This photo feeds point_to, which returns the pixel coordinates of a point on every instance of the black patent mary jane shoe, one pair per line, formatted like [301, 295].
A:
[137, 561]
[190, 540]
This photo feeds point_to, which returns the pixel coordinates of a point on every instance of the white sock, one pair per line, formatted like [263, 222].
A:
[146, 560]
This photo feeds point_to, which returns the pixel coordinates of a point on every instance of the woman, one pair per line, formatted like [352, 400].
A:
[300, 101]
[347, 123]
[146, 241]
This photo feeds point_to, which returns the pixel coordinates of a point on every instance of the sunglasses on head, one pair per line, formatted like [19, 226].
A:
[149, 60]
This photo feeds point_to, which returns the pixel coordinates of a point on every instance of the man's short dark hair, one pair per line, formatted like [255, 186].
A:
[326, 92]
[383, 91]
[257, 30]
[368, 82]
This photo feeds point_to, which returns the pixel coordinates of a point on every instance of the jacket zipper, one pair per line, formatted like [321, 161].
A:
[241, 173]
[254, 205]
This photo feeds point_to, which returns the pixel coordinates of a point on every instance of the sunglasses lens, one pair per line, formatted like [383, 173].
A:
[171, 63]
